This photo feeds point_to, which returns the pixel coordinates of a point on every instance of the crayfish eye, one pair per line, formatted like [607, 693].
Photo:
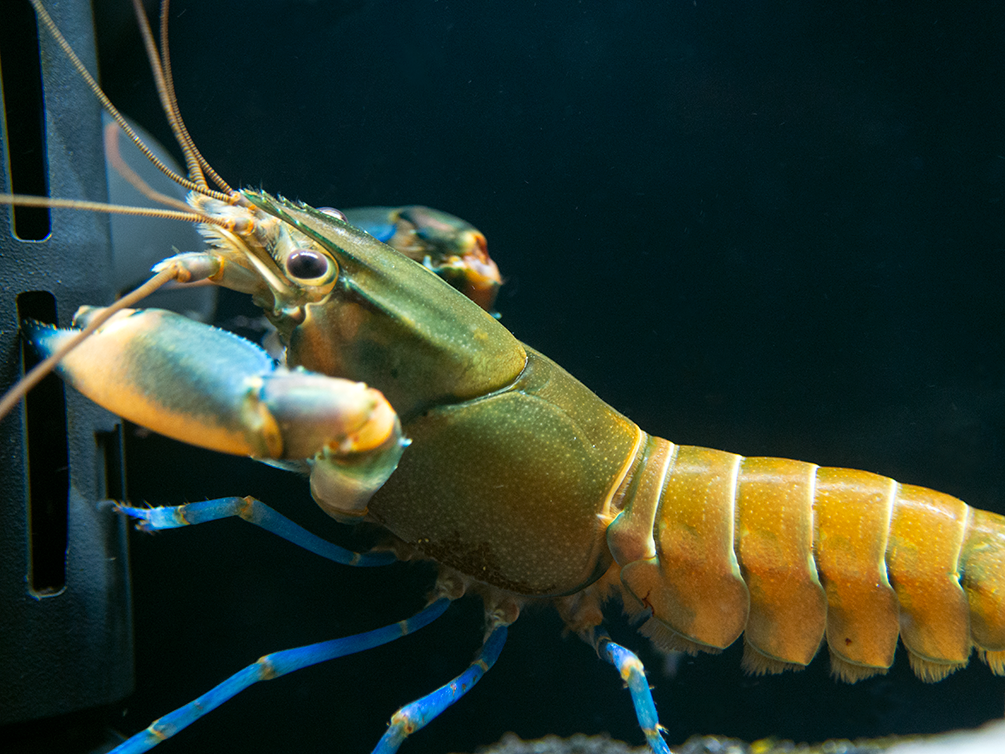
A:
[307, 264]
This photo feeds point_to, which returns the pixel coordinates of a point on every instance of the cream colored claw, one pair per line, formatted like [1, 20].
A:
[208, 387]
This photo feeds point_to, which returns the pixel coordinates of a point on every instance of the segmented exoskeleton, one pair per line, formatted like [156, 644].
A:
[456, 554]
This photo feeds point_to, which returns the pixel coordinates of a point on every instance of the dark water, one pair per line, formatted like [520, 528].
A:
[762, 227]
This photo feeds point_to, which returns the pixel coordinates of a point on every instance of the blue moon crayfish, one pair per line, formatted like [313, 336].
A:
[483, 455]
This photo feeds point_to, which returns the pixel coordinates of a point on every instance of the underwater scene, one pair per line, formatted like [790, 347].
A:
[776, 229]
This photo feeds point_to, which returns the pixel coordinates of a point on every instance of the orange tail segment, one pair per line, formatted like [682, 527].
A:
[715, 544]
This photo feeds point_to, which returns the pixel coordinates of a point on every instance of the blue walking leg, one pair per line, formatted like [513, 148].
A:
[633, 674]
[272, 666]
[255, 512]
[421, 712]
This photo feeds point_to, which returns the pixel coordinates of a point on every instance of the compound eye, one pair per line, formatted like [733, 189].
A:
[307, 264]
[337, 213]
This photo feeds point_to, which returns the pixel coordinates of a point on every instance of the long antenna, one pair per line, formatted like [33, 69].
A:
[114, 158]
[174, 114]
[187, 215]
[106, 103]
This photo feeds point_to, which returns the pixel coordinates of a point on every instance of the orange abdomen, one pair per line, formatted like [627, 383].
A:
[716, 544]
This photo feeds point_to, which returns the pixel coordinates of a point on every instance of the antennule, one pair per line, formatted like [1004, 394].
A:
[46, 19]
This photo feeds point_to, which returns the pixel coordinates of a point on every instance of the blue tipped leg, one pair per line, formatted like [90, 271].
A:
[272, 666]
[634, 675]
[255, 512]
[421, 712]
[408, 719]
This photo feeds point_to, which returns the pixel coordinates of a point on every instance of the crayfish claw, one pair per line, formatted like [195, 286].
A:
[210, 388]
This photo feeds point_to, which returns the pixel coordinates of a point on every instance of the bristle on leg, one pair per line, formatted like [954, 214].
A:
[668, 640]
[756, 662]
[848, 672]
[932, 672]
[994, 660]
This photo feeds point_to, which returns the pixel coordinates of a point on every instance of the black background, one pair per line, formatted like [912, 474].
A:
[771, 228]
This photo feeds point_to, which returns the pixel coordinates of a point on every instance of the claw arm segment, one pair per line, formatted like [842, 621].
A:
[255, 512]
[272, 666]
[210, 388]
[417, 715]
[634, 675]
[446, 245]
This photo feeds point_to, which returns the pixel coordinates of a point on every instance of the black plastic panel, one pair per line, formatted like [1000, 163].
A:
[65, 623]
